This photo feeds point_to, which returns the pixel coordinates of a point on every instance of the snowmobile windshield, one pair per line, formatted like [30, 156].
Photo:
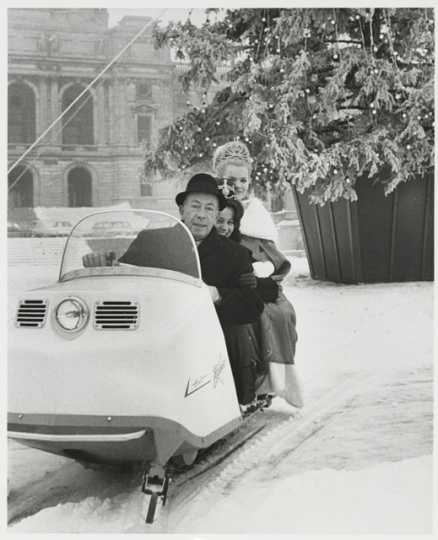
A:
[130, 242]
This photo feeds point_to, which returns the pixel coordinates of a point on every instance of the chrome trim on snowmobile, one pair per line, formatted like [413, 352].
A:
[118, 437]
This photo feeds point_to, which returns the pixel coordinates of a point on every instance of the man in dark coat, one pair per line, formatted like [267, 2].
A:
[222, 263]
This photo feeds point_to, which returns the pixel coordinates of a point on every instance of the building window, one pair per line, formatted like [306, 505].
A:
[143, 91]
[79, 187]
[20, 182]
[78, 122]
[21, 114]
[144, 127]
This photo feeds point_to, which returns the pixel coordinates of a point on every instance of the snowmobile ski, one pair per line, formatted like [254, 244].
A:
[155, 484]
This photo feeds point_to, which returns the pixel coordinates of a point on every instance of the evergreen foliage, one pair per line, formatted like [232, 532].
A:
[321, 96]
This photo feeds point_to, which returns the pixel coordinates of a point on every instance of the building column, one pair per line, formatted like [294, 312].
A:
[117, 104]
[110, 112]
[130, 117]
[128, 169]
[100, 115]
[164, 114]
[55, 111]
[106, 113]
[42, 105]
[124, 111]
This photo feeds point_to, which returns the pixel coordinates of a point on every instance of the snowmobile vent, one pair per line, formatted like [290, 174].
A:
[110, 315]
[31, 313]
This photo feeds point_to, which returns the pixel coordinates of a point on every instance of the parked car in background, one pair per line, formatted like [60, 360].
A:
[51, 228]
[113, 228]
[14, 229]
[26, 227]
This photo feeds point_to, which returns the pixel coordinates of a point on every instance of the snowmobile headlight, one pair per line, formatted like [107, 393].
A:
[72, 314]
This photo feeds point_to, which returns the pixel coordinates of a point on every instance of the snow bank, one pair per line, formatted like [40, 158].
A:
[29, 465]
[370, 328]
[388, 498]
[90, 515]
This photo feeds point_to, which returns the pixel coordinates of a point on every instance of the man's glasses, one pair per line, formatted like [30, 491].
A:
[226, 185]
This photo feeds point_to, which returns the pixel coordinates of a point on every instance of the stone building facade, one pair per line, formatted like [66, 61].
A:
[94, 155]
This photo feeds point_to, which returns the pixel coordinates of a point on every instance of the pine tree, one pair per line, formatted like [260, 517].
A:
[320, 96]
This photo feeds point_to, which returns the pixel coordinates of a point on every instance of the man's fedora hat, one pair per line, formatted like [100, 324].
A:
[201, 183]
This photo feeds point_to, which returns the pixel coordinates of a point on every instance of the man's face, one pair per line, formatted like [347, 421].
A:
[199, 212]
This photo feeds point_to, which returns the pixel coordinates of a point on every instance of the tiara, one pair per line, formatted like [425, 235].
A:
[226, 188]
[229, 151]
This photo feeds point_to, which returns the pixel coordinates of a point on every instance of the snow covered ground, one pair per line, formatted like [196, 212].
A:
[356, 459]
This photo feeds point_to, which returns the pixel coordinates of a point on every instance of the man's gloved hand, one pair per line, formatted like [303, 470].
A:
[248, 280]
[107, 258]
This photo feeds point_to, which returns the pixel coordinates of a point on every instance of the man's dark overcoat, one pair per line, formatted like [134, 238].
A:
[222, 262]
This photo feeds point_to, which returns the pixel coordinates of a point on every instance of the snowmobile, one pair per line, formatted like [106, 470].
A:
[107, 365]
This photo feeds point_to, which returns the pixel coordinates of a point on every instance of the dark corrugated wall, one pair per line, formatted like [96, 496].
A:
[377, 239]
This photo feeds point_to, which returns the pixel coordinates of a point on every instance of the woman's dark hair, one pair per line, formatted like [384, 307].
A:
[237, 208]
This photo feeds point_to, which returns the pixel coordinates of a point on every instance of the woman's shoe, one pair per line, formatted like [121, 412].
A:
[248, 408]
[265, 400]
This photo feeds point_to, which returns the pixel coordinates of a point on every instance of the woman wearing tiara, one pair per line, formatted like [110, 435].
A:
[277, 330]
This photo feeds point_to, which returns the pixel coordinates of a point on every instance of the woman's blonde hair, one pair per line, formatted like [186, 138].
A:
[234, 152]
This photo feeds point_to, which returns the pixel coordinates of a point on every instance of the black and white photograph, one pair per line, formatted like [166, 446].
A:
[220, 269]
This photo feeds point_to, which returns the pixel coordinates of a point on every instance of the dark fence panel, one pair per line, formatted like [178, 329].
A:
[408, 231]
[377, 239]
[311, 237]
[375, 221]
[329, 241]
[429, 231]
[345, 226]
